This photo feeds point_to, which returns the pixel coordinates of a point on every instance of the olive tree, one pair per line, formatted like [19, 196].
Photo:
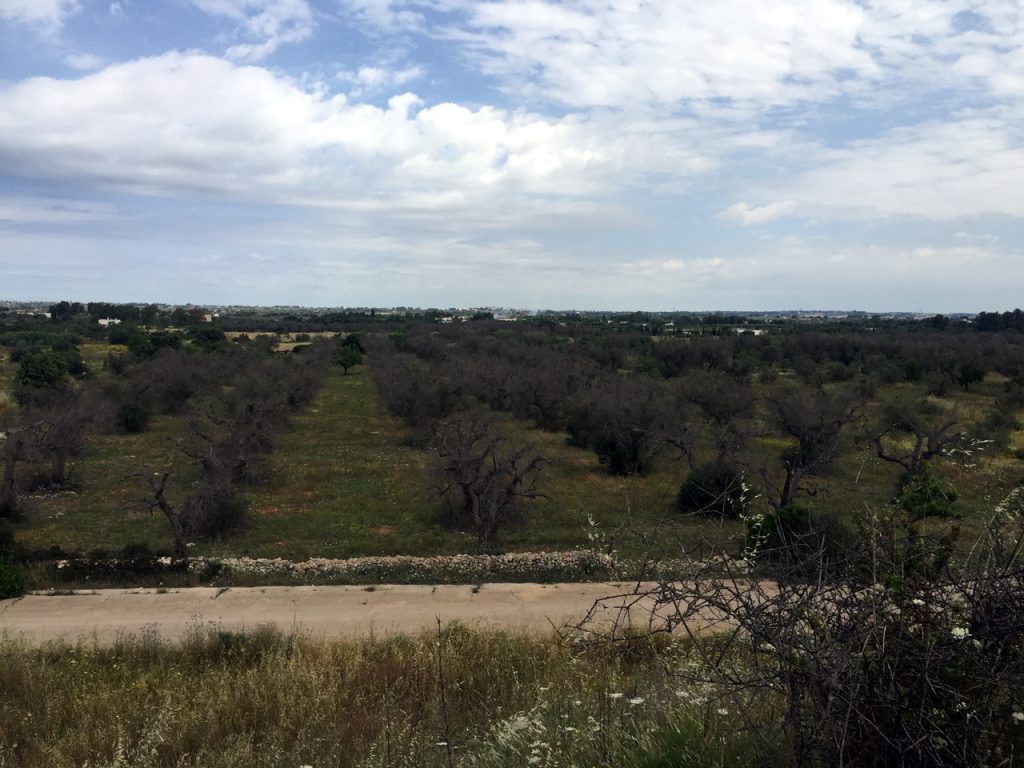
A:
[483, 473]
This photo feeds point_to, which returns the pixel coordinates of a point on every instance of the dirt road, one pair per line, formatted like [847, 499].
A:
[104, 615]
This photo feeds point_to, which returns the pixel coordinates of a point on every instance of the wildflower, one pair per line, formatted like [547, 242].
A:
[615, 695]
[723, 711]
[637, 701]
[917, 601]
[960, 633]
[1018, 716]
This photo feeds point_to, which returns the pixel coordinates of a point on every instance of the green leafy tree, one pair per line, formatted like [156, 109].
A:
[348, 357]
[40, 374]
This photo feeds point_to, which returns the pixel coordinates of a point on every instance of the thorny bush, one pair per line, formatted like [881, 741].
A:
[907, 658]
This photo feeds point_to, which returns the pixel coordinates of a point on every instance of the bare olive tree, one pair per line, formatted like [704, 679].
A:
[932, 432]
[814, 420]
[156, 498]
[483, 473]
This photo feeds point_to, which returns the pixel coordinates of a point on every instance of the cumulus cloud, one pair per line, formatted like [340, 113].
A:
[186, 122]
[45, 15]
[266, 24]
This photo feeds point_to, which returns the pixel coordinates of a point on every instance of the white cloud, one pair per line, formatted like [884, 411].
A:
[748, 215]
[84, 61]
[970, 166]
[373, 79]
[593, 53]
[46, 15]
[179, 123]
[384, 15]
[670, 54]
[267, 24]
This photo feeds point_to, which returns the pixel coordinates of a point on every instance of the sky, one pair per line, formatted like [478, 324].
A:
[563, 154]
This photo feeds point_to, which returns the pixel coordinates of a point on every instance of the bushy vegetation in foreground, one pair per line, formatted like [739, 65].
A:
[460, 698]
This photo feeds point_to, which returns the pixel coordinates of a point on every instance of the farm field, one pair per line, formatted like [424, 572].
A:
[345, 482]
[348, 479]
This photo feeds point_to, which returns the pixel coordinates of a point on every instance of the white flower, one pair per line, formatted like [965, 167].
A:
[1018, 716]
[636, 702]
[723, 711]
[960, 633]
[917, 601]
[615, 695]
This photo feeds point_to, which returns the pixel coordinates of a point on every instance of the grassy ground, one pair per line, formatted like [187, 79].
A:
[264, 700]
[105, 510]
[343, 483]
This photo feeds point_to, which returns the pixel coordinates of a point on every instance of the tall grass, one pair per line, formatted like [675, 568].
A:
[266, 699]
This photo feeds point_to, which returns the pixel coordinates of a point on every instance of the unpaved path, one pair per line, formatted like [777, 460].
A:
[330, 611]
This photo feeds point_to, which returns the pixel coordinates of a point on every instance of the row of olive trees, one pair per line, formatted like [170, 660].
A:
[58, 411]
[231, 437]
[707, 416]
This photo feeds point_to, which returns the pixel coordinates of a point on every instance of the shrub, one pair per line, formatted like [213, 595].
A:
[910, 667]
[799, 538]
[714, 489]
[214, 511]
[133, 418]
[12, 581]
[924, 495]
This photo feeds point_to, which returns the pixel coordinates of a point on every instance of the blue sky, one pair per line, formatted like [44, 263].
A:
[607, 154]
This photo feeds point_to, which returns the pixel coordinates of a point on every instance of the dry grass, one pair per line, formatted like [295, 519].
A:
[263, 699]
